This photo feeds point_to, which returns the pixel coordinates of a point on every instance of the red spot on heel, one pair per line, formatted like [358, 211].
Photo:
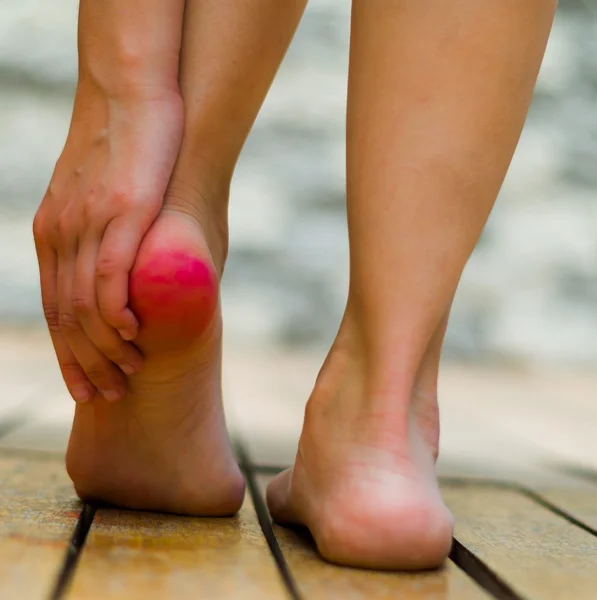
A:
[174, 295]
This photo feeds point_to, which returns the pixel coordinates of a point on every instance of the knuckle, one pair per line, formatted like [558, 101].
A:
[72, 374]
[125, 197]
[52, 190]
[68, 322]
[94, 371]
[51, 315]
[39, 227]
[107, 266]
[82, 304]
[97, 371]
[70, 370]
[62, 229]
[60, 176]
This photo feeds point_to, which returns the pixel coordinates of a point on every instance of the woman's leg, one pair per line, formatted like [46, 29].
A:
[164, 446]
[438, 93]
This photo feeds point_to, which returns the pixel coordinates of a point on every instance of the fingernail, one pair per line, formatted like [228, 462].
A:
[81, 394]
[112, 395]
[128, 369]
[126, 335]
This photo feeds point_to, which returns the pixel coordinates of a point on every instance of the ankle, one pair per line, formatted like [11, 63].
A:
[206, 202]
[386, 361]
[350, 382]
[372, 378]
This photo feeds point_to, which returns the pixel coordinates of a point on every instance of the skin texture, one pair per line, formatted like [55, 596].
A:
[437, 97]
[108, 187]
[165, 446]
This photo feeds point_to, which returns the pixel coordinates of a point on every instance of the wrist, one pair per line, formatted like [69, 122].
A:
[129, 71]
[135, 88]
[95, 107]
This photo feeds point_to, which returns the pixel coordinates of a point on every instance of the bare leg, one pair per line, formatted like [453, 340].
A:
[438, 93]
[165, 446]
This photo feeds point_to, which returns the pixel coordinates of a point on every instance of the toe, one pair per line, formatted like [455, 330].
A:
[278, 497]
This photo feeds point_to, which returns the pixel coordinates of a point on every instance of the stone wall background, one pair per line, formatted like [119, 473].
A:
[529, 293]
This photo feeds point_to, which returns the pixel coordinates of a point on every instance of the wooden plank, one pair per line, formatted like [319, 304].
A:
[535, 551]
[49, 428]
[148, 556]
[580, 503]
[319, 579]
[38, 514]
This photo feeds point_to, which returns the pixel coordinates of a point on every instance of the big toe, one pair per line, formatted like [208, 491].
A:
[278, 498]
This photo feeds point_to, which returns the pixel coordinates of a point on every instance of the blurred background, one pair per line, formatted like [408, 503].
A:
[529, 293]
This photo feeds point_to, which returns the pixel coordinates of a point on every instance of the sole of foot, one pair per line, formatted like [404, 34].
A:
[364, 480]
[165, 447]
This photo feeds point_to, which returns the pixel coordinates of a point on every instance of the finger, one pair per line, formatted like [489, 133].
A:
[106, 377]
[78, 384]
[117, 254]
[103, 336]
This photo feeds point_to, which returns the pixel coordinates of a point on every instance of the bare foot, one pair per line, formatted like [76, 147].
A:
[364, 478]
[164, 446]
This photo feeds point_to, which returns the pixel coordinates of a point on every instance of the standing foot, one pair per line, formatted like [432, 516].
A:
[364, 479]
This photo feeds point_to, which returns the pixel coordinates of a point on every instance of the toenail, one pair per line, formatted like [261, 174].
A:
[112, 395]
[81, 394]
[128, 369]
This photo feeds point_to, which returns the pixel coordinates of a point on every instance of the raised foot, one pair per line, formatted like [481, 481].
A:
[164, 447]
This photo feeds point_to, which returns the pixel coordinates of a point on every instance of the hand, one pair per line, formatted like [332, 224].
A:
[106, 190]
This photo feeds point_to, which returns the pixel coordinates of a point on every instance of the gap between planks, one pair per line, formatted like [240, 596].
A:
[11, 422]
[73, 552]
[40, 522]
[265, 522]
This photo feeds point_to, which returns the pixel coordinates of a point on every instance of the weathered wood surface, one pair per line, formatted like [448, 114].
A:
[579, 502]
[135, 555]
[538, 553]
[529, 429]
[38, 514]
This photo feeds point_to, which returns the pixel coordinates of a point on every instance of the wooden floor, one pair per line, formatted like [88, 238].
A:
[518, 466]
